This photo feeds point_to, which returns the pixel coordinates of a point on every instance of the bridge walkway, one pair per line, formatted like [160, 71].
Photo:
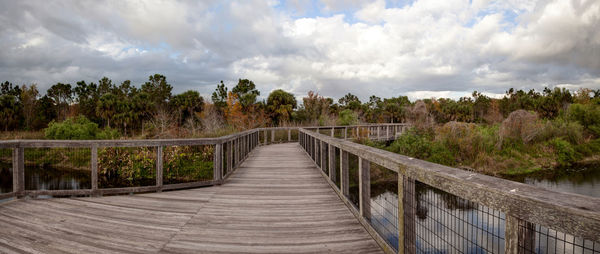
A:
[276, 202]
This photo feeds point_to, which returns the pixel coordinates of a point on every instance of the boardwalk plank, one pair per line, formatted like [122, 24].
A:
[276, 202]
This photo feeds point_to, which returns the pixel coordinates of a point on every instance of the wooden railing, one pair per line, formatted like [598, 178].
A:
[523, 207]
[229, 152]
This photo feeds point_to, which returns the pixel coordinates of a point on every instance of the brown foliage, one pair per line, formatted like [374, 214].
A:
[520, 125]
[420, 118]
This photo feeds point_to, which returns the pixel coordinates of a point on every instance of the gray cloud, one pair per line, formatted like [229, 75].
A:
[425, 48]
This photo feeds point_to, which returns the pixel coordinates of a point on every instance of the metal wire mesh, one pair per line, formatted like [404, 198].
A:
[353, 179]
[384, 203]
[539, 239]
[337, 168]
[325, 161]
[6, 170]
[188, 163]
[126, 166]
[443, 223]
[57, 168]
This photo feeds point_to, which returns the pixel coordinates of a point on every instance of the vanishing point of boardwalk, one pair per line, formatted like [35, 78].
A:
[277, 201]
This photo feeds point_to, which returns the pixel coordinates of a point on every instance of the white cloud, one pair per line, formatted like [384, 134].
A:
[420, 48]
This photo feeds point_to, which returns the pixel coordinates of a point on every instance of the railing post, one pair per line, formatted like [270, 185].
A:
[364, 187]
[159, 168]
[387, 132]
[409, 210]
[345, 132]
[519, 230]
[511, 235]
[400, 214]
[289, 135]
[18, 171]
[218, 173]
[272, 135]
[378, 136]
[332, 130]
[94, 164]
[332, 171]
[265, 136]
[344, 174]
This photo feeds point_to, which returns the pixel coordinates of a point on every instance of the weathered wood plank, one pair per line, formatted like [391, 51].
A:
[261, 209]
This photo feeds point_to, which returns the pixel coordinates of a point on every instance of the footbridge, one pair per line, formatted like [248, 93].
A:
[277, 190]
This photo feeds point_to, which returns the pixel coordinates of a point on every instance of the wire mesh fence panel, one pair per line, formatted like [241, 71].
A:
[353, 191]
[233, 154]
[338, 133]
[318, 153]
[542, 240]
[384, 203]
[57, 168]
[183, 164]
[261, 137]
[224, 161]
[294, 135]
[126, 167]
[6, 176]
[439, 222]
[338, 178]
[325, 160]
[281, 136]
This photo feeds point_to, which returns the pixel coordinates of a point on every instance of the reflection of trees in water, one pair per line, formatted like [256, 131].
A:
[51, 178]
[451, 202]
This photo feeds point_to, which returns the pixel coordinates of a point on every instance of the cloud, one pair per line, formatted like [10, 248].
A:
[418, 48]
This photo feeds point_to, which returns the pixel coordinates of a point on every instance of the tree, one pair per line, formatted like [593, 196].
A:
[29, 97]
[219, 97]
[44, 113]
[280, 105]
[159, 90]
[315, 106]
[9, 111]
[107, 107]
[7, 88]
[246, 93]
[62, 94]
[187, 105]
[350, 101]
[87, 96]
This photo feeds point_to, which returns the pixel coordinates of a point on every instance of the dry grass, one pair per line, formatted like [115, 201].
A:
[7, 135]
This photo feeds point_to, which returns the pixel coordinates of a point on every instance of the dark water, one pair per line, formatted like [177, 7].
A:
[581, 181]
[46, 178]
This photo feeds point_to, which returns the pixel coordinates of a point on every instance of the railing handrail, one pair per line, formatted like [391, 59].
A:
[39, 143]
[571, 213]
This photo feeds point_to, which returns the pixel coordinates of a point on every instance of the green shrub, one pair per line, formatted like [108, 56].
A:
[347, 117]
[72, 128]
[561, 128]
[589, 148]
[78, 128]
[587, 115]
[108, 133]
[565, 152]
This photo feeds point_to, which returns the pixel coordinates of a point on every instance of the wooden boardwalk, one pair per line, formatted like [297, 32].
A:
[277, 201]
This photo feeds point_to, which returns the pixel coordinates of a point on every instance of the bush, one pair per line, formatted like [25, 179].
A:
[587, 115]
[72, 128]
[78, 128]
[419, 146]
[347, 117]
[520, 125]
[565, 152]
[561, 128]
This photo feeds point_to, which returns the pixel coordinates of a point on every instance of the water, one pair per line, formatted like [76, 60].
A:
[46, 178]
[583, 181]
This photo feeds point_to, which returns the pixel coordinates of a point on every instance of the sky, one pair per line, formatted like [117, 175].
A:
[387, 48]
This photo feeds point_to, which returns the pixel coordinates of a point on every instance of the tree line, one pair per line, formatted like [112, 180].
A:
[152, 106]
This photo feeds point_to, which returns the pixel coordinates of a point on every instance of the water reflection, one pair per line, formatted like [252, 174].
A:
[581, 181]
[444, 223]
[46, 178]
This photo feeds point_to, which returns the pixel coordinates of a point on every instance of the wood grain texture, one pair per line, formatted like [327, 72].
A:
[276, 202]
